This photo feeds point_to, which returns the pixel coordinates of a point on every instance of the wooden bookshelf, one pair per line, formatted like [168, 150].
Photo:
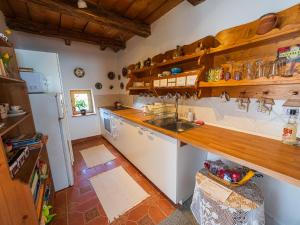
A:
[26, 171]
[11, 80]
[12, 122]
[4, 43]
[12, 189]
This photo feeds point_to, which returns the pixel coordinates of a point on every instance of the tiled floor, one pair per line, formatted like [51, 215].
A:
[79, 204]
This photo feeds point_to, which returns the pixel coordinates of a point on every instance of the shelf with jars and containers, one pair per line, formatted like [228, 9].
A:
[253, 59]
[285, 69]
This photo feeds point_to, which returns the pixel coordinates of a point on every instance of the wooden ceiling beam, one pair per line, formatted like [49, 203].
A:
[195, 2]
[42, 29]
[96, 15]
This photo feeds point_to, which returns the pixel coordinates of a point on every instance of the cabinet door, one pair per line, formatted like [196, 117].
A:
[127, 139]
[160, 162]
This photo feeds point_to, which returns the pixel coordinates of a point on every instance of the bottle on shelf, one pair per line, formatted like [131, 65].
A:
[289, 134]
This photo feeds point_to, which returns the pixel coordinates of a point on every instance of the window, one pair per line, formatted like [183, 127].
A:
[82, 99]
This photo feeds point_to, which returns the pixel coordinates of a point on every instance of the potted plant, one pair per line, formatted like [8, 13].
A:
[81, 105]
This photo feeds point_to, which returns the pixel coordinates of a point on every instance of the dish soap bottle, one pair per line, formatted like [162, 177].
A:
[290, 129]
[190, 116]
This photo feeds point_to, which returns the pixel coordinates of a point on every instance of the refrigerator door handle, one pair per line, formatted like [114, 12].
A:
[60, 107]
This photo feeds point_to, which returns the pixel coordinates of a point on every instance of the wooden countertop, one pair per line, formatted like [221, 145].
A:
[265, 155]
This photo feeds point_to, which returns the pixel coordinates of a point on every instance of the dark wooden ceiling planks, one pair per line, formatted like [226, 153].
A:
[118, 20]
[166, 7]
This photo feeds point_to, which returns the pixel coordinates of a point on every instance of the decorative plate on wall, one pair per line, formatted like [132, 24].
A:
[111, 75]
[98, 85]
[124, 71]
[122, 85]
[79, 72]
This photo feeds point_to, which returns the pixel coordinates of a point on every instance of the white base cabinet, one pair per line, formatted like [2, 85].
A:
[159, 157]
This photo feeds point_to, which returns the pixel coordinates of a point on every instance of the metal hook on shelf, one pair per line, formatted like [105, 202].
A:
[265, 92]
[294, 92]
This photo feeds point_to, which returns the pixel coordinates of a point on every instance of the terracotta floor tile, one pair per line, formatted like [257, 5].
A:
[60, 220]
[75, 218]
[166, 207]
[138, 212]
[156, 214]
[145, 221]
[73, 203]
[98, 221]
[91, 214]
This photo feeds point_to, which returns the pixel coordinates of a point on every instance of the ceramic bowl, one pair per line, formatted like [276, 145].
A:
[176, 70]
[267, 23]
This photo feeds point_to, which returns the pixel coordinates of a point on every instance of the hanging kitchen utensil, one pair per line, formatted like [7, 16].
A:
[243, 102]
[225, 97]
[265, 105]
[111, 75]
[122, 85]
[119, 77]
[111, 87]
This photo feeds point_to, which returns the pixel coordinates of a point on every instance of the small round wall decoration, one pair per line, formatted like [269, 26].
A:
[111, 75]
[122, 85]
[124, 71]
[98, 85]
[79, 72]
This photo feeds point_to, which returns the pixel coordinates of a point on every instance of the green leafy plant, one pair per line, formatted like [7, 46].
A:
[80, 104]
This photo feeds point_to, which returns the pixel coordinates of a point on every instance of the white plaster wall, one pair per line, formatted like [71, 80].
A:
[96, 63]
[185, 24]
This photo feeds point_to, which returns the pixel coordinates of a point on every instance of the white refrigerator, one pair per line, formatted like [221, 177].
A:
[49, 114]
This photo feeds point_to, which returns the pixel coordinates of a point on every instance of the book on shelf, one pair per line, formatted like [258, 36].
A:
[16, 159]
[27, 140]
[34, 183]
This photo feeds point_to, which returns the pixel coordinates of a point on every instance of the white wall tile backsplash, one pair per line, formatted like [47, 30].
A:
[215, 112]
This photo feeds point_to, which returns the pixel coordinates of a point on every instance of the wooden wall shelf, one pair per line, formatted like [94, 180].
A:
[11, 80]
[11, 123]
[272, 36]
[255, 82]
[232, 48]
[139, 88]
[142, 70]
[26, 171]
[176, 88]
[181, 59]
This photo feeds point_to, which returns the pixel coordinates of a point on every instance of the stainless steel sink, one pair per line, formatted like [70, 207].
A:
[171, 124]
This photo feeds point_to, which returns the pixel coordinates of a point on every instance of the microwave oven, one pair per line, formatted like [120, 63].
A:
[36, 82]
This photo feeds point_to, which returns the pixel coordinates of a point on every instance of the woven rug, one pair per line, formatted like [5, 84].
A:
[117, 191]
[96, 155]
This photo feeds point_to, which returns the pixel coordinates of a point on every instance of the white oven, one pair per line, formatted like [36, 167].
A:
[107, 122]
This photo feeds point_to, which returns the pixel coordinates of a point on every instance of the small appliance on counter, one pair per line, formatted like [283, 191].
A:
[36, 82]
